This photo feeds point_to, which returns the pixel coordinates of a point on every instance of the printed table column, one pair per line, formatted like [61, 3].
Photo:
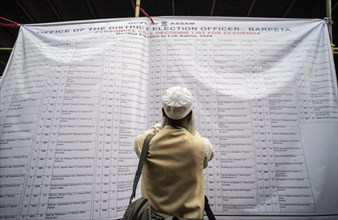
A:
[40, 190]
[100, 147]
[213, 77]
[48, 154]
[111, 151]
[210, 97]
[154, 78]
[116, 119]
[107, 108]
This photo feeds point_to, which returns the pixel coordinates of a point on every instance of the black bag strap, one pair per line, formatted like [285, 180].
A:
[143, 156]
[208, 210]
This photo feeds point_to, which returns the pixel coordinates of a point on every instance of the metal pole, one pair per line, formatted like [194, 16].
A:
[137, 8]
[91, 9]
[251, 7]
[329, 16]
[54, 10]
[213, 7]
[289, 8]
[25, 11]
[173, 6]
[5, 49]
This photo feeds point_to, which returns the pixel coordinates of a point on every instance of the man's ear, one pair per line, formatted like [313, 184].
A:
[163, 113]
[189, 116]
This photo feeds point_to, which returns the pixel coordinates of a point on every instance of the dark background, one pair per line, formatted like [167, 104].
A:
[44, 11]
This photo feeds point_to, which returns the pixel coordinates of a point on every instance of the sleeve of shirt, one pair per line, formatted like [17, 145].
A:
[141, 137]
[208, 149]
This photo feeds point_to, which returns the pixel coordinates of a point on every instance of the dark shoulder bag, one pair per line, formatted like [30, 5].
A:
[140, 208]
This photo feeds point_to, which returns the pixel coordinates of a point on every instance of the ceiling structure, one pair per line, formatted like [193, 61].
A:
[44, 11]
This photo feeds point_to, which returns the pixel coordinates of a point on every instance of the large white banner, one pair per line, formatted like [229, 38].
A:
[75, 95]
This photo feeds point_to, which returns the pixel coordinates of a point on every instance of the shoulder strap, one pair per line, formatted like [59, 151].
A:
[208, 210]
[143, 156]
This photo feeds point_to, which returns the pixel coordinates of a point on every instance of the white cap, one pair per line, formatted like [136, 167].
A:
[177, 102]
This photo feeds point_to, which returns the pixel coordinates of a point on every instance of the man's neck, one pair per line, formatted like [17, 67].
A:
[182, 123]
